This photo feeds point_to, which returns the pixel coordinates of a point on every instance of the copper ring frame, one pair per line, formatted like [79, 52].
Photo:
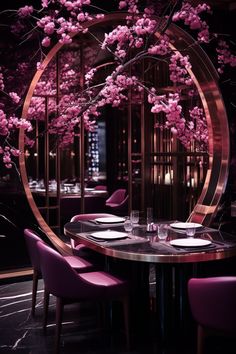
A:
[205, 78]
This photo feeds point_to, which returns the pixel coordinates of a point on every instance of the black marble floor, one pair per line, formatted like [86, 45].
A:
[22, 334]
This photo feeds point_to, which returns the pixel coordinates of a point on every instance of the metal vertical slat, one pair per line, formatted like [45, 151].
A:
[82, 202]
[143, 148]
[130, 179]
[46, 160]
[37, 149]
[58, 154]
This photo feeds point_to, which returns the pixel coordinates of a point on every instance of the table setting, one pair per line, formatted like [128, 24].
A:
[190, 242]
[112, 238]
[167, 237]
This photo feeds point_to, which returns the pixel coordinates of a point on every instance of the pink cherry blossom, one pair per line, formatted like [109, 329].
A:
[15, 98]
[25, 11]
[46, 42]
[225, 57]
[191, 17]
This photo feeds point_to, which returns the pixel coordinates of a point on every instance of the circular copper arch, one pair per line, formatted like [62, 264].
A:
[205, 78]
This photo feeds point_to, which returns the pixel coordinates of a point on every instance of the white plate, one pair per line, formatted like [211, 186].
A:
[110, 220]
[109, 235]
[97, 191]
[185, 225]
[190, 242]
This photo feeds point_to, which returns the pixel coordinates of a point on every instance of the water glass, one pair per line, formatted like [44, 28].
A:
[128, 226]
[149, 215]
[162, 231]
[190, 231]
[134, 216]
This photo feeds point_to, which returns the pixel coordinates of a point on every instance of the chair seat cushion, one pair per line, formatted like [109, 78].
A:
[107, 284]
[78, 263]
[112, 205]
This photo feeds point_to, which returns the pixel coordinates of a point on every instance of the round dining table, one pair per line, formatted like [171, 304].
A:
[173, 265]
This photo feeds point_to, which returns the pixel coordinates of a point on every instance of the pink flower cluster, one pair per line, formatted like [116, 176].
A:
[126, 36]
[192, 128]
[25, 11]
[2, 86]
[15, 98]
[113, 92]
[179, 66]
[3, 123]
[130, 5]
[201, 131]
[72, 107]
[6, 127]
[225, 56]
[63, 26]
[7, 153]
[191, 18]
[161, 47]
[89, 76]
[167, 104]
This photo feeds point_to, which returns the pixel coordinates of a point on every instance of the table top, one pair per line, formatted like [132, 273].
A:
[146, 247]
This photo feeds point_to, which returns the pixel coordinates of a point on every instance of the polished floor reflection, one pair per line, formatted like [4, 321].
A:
[81, 333]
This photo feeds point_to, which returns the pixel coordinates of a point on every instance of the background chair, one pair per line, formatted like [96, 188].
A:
[120, 209]
[31, 238]
[116, 198]
[77, 247]
[70, 206]
[68, 286]
[100, 187]
[213, 305]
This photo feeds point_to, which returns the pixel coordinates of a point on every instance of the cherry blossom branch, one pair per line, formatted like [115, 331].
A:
[129, 44]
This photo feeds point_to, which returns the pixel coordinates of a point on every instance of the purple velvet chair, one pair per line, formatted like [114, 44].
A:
[100, 187]
[68, 286]
[77, 247]
[213, 305]
[120, 209]
[116, 198]
[31, 238]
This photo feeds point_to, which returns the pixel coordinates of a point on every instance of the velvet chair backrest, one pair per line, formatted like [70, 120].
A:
[123, 206]
[117, 197]
[92, 216]
[213, 302]
[100, 188]
[31, 239]
[60, 278]
[84, 217]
